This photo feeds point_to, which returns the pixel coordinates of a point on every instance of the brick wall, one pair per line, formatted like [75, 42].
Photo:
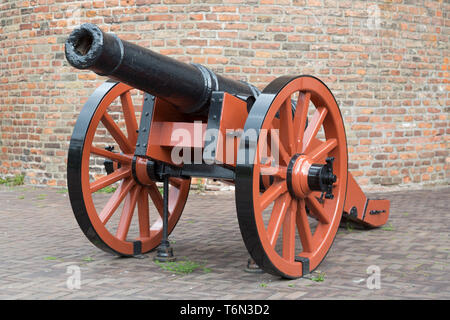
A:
[385, 61]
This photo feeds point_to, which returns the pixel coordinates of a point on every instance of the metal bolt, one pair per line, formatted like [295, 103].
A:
[353, 212]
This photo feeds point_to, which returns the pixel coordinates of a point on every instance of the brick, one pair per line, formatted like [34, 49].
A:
[393, 94]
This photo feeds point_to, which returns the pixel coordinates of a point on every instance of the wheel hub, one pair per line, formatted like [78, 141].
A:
[304, 177]
[139, 169]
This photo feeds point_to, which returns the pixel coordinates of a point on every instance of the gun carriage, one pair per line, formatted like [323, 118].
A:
[284, 148]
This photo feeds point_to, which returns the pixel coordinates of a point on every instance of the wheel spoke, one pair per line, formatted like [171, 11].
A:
[271, 166]
[322, 150]
[129, 116]
[125, 159]
[109, 179]
[287, 126]
[157, 198]
[277, 149]
[268, 170]
[263, 149]
[276, 219]
[303, 227]
[318, 210]
[176, 182]
[313, 127]
[268, 161]
[127, 213]
[117, 134]
[289, 232]
[273, 192]
[143, 214]
[301, 114]
[115, 200]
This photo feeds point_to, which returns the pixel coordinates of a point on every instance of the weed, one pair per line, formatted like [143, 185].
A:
[88, 259]
[50, 258]
[350, 227]
[17, 180]
[263, 285]
[108, 189]
[206, 270]
[182, 267]
[41, 196]
[389, 227]
[21, 197]
[320, 277]
[201, 187]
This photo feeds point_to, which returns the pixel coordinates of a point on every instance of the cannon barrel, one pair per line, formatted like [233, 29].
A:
[186, 86]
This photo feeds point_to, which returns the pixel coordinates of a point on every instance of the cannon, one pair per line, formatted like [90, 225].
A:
[158, 122]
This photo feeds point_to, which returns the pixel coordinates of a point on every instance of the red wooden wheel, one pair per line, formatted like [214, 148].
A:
[289, 225]
[106, 133]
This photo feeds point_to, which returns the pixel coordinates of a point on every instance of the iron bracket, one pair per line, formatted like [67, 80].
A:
[144, 125]
[157, 170]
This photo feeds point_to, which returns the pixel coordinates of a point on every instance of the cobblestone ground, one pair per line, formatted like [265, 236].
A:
[40, 242]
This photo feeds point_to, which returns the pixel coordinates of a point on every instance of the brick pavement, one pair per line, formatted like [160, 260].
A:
[40, 239]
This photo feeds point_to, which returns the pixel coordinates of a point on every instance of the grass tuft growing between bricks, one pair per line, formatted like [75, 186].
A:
[182, 267]
[108, 189]
[320, 277]
[50, 258]
[388, 227]
[17, 180]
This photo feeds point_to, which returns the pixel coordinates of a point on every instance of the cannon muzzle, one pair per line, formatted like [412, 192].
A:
[186, 86]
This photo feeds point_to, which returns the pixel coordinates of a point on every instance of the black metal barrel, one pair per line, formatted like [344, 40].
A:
[187, 86]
